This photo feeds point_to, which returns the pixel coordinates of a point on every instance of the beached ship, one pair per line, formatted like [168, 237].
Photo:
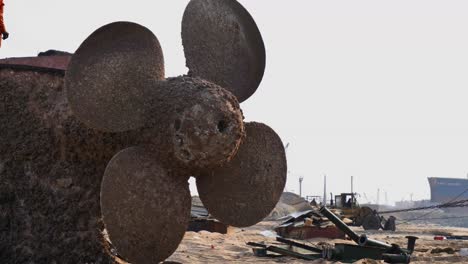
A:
[448, 189]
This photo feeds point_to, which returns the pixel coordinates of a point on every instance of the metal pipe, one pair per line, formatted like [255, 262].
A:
[337, 221]
[411, 243]
[293, 254]
[396, 258]
[365, 241]
[325, 190]
[299, 245]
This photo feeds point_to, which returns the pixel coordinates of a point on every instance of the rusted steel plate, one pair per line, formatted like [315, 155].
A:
[145, 207]
[222, 44]
[112, 74]
[308, 232]
[53, 62]
[245, 190]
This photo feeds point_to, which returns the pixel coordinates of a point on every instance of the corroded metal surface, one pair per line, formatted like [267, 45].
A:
[105, 76]
[51, 168]
[309, 232]
[53, 62]
[223, 44]
[30, 68]
[197, 123]
[244, 191]
[145, 208]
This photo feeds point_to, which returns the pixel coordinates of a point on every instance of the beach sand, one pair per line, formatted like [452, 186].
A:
[206, 247]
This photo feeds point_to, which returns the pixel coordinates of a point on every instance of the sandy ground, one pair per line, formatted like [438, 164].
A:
[206, 247]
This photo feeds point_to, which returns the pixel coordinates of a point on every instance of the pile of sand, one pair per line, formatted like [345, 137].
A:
[289, 203]
[205, 247]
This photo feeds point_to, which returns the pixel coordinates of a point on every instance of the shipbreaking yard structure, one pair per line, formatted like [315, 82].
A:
[112, 138]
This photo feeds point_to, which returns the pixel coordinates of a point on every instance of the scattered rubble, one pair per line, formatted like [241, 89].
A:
[447, 250]
[201, 219]
[366, 248]
[308, 224]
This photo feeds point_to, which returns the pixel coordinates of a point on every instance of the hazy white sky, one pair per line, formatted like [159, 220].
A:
[374, 89]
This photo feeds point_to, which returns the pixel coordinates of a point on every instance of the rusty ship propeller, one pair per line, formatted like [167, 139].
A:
[187, 125]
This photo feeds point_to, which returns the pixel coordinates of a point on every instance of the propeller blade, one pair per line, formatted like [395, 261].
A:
[244, 191]
[145, 207]
[112, 74]
[222, 44]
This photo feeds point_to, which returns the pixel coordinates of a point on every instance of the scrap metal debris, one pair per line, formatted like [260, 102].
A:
[447, 250]
[206, 224]
[290, 250]
[451, 237]
[391, 253]
[308, 224]
[365, 248]
[200, 219]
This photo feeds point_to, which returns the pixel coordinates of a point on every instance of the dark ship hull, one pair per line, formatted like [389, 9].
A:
[448, 189]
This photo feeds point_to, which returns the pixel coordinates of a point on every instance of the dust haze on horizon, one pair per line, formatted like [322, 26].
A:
[372, 89]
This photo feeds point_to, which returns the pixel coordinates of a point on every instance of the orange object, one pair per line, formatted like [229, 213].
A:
[2, 24]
